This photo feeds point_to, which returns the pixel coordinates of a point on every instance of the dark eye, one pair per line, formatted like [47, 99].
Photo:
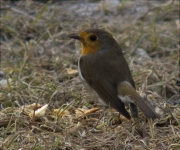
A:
[93, 38]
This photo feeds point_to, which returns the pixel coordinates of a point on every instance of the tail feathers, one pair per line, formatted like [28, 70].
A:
[145, 106]
[128, 93]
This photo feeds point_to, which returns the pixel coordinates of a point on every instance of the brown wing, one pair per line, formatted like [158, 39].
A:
[104, 73]
[107, 91]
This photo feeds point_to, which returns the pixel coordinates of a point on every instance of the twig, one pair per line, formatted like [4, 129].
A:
[156, 7]
[138, 44]
[22, 12]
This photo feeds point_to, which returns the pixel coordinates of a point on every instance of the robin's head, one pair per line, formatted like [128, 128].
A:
[93, 40]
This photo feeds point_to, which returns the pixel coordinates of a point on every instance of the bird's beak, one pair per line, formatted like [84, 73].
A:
[74, 36]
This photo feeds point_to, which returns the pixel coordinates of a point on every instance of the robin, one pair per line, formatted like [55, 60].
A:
[106, 75]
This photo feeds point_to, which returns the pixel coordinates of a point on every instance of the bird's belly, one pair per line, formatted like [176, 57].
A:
[90, 89]
[80, 74]
[125, 99]
[93, 93]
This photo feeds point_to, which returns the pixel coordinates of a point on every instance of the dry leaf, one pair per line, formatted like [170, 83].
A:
[61, 112]
[71, 71]
[74, 128]
[83, 111]
[118, 129]
[39, 112]
[33, 106]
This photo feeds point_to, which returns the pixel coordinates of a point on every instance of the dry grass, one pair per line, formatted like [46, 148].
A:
[35, 56]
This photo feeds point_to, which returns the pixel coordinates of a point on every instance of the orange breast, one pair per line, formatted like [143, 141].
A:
[88, 49]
